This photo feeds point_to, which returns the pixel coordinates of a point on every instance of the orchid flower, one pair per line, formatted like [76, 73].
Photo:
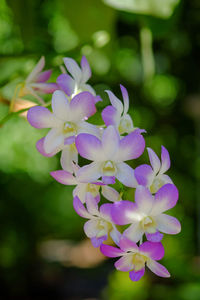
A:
[76, 83]
[66, 121]
[100, 226]
[153, 176]
[36, 82]
[108, 156]
[133, 258]
[81, 188]
[146, 214]
[117, 113]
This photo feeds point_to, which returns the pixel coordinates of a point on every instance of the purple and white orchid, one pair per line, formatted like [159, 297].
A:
[66, 121]
[108, 150]
[146, 214]
[153, 176]
[76, 83]
[117, 113]
[36, 82]
[100, 226]
[108, 156]
[133, 258]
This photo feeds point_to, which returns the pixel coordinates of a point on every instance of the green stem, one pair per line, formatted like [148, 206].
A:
[147, 53]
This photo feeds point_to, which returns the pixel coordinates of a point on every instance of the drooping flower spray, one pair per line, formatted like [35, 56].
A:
[108, 149]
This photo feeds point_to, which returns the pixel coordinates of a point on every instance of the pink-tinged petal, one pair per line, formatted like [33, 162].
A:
[154, 237]
[168, 224]
[80, 208]
[73, 68]
[89, 146]
[40, 148]
[154, 160]
[91, 228]
[60, 105]
[86, 71]
[115, 236]
[110, 194]
[108, 179]
[64, 177]
[157, 268]
[136, 275]
[125, 98]
[128, 245]
[124, 212]
[89, 173]
[69, 140]
[43, 76]
[125, 263]
[110, 116]
[134, 232]
[82, 105]
[153, 250]
[111, 251]
[165, 160]
[91, 204]
[41, 117]
[165, 198]
[131, 146]
[45, 88]
[69, 155]
[105, 211]
[115, 102]
[144, 199]
[37, 69]
[110, 142]
[144, 175]
[66, 83]
[80, 191]
[53, 140]
[96, 242]
[125, 174]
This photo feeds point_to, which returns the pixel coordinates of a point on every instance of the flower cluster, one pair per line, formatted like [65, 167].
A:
[135, 227]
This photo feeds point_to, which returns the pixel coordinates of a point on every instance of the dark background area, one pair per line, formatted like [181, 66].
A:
[154, 52]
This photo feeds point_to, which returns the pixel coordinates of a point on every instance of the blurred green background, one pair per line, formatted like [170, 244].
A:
[152, 47]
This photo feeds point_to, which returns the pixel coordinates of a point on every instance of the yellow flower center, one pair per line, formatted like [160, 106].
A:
[156, 185]
[125, 126]
[69, 129]
[149, 225]
[93, 189]
[139, 261]
[109, 168]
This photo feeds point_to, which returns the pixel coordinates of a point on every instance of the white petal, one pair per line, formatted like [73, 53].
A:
[90, 228]
[69, 154]
[73, 68]
[38, 68]
[89, 173]
[60, 105]
[154, 160]
[110, 194]
[125, 174]
[134, 232]
[110, 142]
[53, 140]
[115, 102]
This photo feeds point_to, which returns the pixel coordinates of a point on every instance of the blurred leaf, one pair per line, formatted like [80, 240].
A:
[162, 9]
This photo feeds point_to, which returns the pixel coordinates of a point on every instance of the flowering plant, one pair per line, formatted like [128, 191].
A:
[108, 148]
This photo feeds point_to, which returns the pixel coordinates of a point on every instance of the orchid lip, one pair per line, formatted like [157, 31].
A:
[69, 128]
[148, 224]
[124, 126]
[109, 168]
